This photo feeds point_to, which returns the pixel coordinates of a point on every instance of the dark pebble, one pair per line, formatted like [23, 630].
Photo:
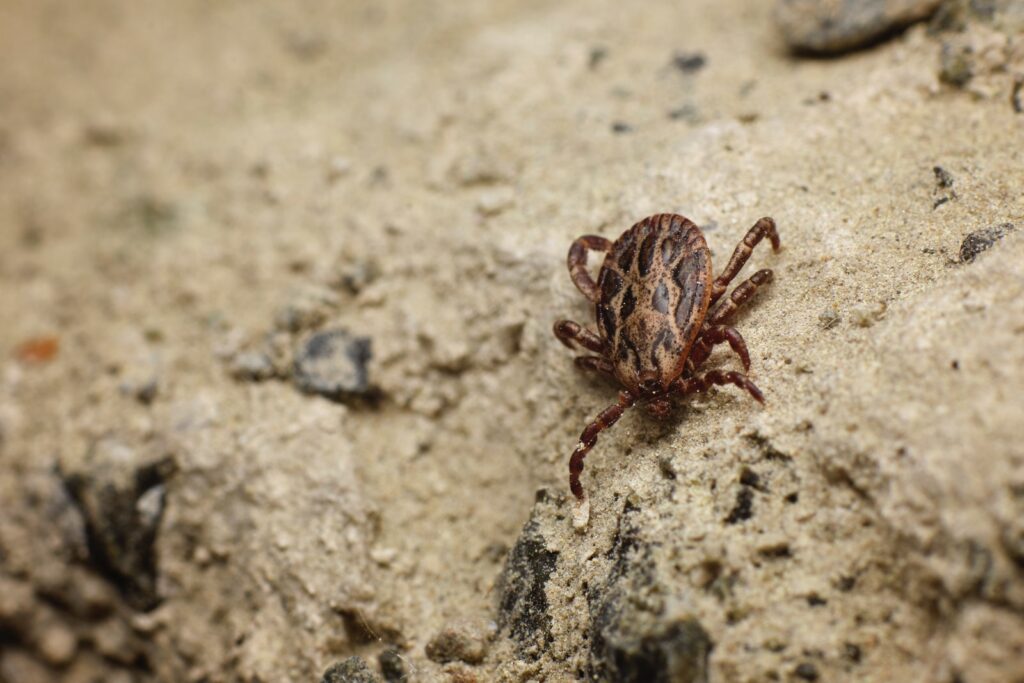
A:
[807, 672]
[121, 498]
[334, 364]
[689, 63]
[352, 670]
[392, 665]
[836, 26]
[980, 240]
[744, 508]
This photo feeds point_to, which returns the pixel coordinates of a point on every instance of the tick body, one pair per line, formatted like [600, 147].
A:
[659, 311]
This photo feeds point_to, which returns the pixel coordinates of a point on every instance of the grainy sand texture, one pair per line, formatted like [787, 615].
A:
[280, 399]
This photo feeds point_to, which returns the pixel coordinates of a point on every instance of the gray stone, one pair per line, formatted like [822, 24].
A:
[392, 665]
[352, 670]
[333, 364]
[635, 638]
[834, 26]
[120, 495]
[458, 642]
[981, 240]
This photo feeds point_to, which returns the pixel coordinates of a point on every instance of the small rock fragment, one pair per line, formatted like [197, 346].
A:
[955, 65]
[120, 495]
[835, 26]
[392, 665]
[943, 178]
[252, 366]
[744, 507]
[458, 642]
[334, 364]
[829, 318]
[806, 671]
[352, 670]
[980, 240]
[689, 62]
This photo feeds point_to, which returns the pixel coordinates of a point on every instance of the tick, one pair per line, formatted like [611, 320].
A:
[659, 313]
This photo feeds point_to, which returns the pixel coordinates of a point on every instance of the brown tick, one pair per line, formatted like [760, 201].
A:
[654, 328]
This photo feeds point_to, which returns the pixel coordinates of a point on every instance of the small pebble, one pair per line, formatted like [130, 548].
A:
[834, 26]
[689, 62]
[352, 670]
[334, 364]
[981, 240]
[458, 642]
[252, 366]
[807, 672]
[392, 665]
[829, 319]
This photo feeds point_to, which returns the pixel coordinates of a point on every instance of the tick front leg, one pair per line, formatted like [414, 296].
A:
[569, 332]
[577, 262]
[716, 335]
[588, 438]
[764, 227]
[703, 382]
[743, 292]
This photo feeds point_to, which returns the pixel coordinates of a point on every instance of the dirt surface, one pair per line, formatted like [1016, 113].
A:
[190, 192]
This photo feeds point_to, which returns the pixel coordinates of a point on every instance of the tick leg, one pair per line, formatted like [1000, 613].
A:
[764, 227]
[704, 381]
[569, 332]
[739, 296]
[598, 364]
[577, 262]
[716, 335]
[588, 438]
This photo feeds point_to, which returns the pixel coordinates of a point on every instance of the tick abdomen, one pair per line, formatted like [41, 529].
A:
[654, 295]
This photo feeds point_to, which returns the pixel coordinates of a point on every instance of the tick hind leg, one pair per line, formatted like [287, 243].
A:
[716, 335]
[704, 381]
[577, 262]
[743, 292]
[588, 438]
[574, 336]
[763, 228]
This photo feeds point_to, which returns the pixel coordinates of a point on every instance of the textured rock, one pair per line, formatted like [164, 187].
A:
[120, 493]
[333, 364]
[831, 26]
[458, 642]
[352, 670]
[523, 603]
[981, 240]
[392, 666]
[635, 636]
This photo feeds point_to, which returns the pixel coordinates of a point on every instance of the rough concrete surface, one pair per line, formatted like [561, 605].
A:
[191, 192]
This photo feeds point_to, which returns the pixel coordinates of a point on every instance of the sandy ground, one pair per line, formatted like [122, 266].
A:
[182, 183]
